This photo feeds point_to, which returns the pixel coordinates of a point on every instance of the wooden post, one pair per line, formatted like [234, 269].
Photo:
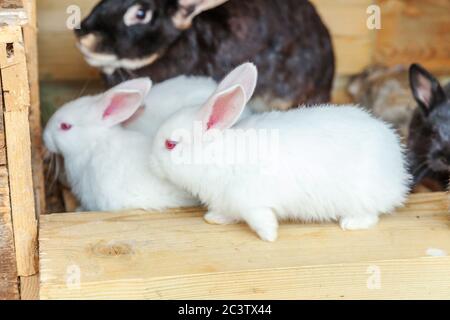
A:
[30, 38]
[16, 100]
[8, 270]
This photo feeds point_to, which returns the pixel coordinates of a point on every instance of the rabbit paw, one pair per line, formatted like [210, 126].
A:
[263, 222]
[268, 234]
[217, 218]
[358, 223]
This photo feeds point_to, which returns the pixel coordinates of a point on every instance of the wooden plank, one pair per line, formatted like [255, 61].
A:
[12, 12]
[30, 38]
[415, 31]
[9, 288]
[22, 197]
[420, 278]
[137, 255]
[29, 287]
[61, 60]
[16, 108]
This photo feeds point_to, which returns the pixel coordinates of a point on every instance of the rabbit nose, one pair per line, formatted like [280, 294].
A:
[88, 41]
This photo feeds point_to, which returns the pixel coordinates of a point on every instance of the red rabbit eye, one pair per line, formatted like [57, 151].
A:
[65, 126]
[170, 145]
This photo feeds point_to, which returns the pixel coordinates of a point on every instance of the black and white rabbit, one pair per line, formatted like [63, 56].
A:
[429, 137]
[287, 40]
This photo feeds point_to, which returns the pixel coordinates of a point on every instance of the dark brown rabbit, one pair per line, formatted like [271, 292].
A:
[287, 40]
[429, 138]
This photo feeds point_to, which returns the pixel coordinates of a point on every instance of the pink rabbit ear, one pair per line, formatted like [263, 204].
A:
[223, 109]
[246, 76]
[123, 101]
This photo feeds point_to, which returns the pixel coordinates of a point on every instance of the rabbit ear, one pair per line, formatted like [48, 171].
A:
[189, 9]
[245, 75]
[426, 89]
[226, 105]
[223, 109]
[123, 101]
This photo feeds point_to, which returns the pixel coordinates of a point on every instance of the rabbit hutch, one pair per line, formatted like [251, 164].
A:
[48, 250]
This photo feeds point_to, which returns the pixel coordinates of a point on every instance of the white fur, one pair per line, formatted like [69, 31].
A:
[172, 95]
[335, 163]
[109, 63]
[167, 97]
[107, 165]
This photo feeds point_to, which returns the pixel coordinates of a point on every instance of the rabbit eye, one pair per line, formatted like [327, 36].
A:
[140, 14]
[137, 15]
[170, 145]
[65, 126]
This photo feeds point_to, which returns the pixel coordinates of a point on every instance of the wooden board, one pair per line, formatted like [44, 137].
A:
[30, 38]
[143, 255]
[29, 287]
[60, 59]
[16, 98]
[8, 270]
[415, 31]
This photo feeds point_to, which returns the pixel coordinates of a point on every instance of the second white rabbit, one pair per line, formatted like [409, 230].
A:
[334, 163]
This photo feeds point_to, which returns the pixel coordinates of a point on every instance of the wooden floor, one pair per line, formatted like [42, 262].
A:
[142, 255]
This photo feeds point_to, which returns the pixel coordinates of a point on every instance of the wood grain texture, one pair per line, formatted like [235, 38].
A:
[415, 31]
[29, 287]
[8, 270]
[60, 59]
[16, 98]
[30, 38]
[12, 12]
[353, 41]
[143, 255]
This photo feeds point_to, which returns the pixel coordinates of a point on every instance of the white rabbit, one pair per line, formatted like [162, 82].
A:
[333, 163]
[106, 165]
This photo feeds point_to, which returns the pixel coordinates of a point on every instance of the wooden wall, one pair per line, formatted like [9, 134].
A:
[415, 30]
[412, 30]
